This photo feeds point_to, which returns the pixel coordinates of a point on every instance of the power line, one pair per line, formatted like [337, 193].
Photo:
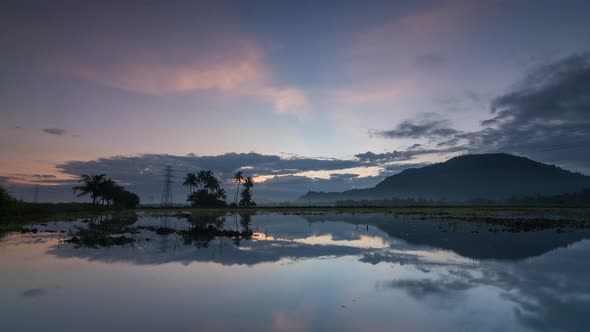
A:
[167, 192]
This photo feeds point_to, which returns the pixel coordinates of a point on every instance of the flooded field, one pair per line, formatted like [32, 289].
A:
[495, 270]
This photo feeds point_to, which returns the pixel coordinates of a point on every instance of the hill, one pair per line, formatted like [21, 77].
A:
[494, 177]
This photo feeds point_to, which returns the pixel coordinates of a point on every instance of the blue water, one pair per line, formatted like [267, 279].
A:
[322, 272]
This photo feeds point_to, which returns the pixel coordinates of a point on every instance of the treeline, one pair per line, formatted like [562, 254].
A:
[581, 198]
[105, 191]
[8, 203]
[390, 202]
[10, 207]
[205, 190]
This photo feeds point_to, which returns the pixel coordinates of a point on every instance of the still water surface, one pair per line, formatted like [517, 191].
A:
[320, 272]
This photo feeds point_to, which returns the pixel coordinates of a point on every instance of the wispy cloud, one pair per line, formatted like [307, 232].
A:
[286, 100]
[238, 70]
[33, 292]
[426, 128]
[372, 93]
[412, 32]
[149, 72]
[430, 60]
[54, 131]
[545, 117]
[386, 158]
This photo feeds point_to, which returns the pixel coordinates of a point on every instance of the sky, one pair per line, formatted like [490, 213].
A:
[301, 95]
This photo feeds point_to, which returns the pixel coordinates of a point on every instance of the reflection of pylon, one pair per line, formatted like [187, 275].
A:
[36, 196]
[167, 193]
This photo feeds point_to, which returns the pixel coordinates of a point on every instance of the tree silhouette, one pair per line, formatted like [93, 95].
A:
[107, 191]
[90, 185]
[212, 194]
[210, 182]
[99, 187]
[246, 194]
[238, 178]
[191, 180]
[124, 198]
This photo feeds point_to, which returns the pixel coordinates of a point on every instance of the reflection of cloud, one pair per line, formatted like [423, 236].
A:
[248, 253]
[283, 238]
[547, 293]
[364, 241]
[293, 320]
[423, 288]
[550, 293]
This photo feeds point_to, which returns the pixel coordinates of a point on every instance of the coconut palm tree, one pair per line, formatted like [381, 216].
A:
[238, 178]
[220, 192]
[107, 191]
[246, 200]
[203, 176]
[90, 185]
[191, 181]
[210, 182]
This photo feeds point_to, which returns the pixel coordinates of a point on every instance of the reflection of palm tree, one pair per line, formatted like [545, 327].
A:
[245, 221]
[238, 178]
[91, 185]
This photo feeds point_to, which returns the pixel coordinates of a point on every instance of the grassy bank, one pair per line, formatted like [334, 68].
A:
[13, 214]
[376, 209]
[24, 210]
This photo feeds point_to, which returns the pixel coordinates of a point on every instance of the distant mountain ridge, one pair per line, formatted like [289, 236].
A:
[494, 176]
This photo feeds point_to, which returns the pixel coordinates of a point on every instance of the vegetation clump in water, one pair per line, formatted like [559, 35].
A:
[94, 238]
[100, 232]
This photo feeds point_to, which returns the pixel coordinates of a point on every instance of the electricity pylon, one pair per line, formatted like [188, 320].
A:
[167, 192]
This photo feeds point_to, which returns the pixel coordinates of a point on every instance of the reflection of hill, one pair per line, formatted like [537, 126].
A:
[545, 291]
[296, 237]
[459, 236]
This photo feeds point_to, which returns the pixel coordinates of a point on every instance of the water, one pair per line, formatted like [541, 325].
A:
[321, 272]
